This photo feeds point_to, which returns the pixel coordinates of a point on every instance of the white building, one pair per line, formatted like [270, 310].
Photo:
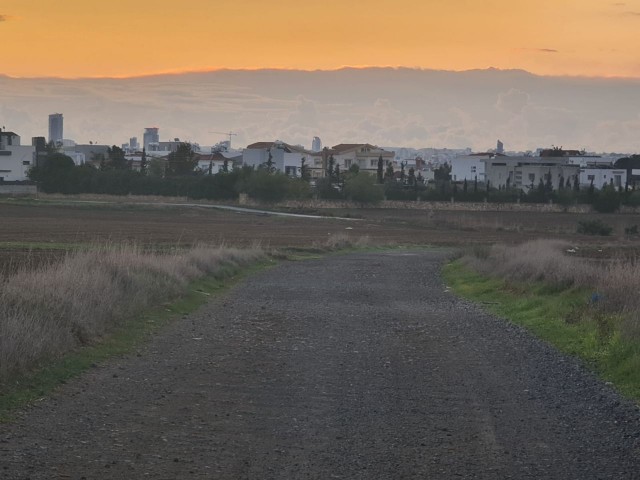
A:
[215, 162]
[286, 158]
[470, 167]
[364, 155]
[316, 144]
[601, 175]
[15, 159]
[526, 173]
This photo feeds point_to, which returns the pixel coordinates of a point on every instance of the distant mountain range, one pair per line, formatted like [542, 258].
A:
[383, 106]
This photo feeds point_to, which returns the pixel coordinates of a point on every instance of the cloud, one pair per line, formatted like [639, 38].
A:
[538, 50]
[387, 108]
[513, 101]
[305, 112]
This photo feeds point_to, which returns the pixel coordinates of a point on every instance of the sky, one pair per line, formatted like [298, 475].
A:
[414, 73]
[124, 38]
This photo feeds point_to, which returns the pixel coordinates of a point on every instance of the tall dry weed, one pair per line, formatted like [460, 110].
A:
[340, 241]
[616, 283]
[46, 312]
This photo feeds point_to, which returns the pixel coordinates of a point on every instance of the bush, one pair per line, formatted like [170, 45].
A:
[606, 200]
[565, 197]
[594, 227]
[267, 187]
[633, 200]
[395, 191]
[362, 188]
[298, 189]
[632, 230]
[326, 189]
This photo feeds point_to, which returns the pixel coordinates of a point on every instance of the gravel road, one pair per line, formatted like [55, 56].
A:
[353, 366]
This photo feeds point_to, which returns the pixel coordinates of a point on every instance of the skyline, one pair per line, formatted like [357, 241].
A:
[125, 38]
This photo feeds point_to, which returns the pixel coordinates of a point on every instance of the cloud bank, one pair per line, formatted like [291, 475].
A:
[384, 106]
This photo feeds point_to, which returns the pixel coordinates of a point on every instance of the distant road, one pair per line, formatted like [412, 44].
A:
[253, 211]
[354, 366]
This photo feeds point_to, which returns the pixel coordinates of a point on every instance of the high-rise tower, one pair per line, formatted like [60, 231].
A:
[55, 128]
[151, 135]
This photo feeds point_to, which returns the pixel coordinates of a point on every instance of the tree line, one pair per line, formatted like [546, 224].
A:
[178, 176]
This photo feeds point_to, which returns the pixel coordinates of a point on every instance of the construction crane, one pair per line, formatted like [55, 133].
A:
[229, 134]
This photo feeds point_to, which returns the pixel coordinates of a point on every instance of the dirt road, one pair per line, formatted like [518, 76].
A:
[357, 367]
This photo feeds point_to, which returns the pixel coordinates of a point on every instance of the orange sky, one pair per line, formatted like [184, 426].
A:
[81, 38]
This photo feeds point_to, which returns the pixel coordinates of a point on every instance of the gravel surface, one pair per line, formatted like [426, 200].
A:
[353, 366]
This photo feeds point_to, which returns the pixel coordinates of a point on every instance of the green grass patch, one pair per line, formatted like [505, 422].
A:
[30, 388]
[562, 317]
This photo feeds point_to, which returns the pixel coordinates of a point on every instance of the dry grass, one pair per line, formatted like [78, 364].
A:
[340, 241]
[49, 311]
[616, 282]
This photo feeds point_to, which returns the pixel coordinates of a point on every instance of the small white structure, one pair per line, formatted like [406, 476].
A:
[15, 160]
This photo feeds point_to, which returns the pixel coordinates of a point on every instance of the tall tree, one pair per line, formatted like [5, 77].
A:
[380, 173]
[116, 159]
[330, 167]
[443, 172]
[269, 165]
[182, 161]
[411, 179]
[548, 185]
[143, 162]
[389, 174]
[305, 174]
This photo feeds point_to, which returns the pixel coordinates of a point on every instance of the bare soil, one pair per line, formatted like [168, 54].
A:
[353, 366]
[82, 223]
[167, 226]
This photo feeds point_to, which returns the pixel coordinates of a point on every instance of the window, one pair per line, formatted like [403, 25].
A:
[347, 163]
[473, 169]
[373, 163]
[591, 178]
[26, 162]
[532, 177]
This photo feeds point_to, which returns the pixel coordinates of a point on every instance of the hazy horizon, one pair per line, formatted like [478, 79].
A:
[387, 106]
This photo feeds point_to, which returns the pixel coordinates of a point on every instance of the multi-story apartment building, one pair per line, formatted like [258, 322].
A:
[15, 159]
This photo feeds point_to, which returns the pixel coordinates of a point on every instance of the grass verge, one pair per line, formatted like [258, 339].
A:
[563, 317]
[32, 387]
